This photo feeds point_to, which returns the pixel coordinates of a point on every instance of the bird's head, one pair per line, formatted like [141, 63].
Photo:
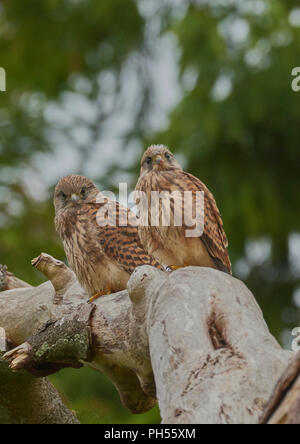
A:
[74, 190]
[158, 158]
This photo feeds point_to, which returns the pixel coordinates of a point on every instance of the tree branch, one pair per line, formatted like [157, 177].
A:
[213, 357]
[195, 339]
[113, 333]
[284, 405]
[9, 281]
[25, 400]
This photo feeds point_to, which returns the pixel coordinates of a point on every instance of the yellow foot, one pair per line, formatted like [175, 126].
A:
[174, 267]
[99, 294]
[177, 267]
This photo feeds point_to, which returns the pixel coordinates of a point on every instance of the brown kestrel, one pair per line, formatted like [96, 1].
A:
[160, 172]
[102, 253]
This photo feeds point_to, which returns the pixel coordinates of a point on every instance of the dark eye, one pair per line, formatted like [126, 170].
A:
[62, 195]
[148, 160]
[83, 191]
[167, 155]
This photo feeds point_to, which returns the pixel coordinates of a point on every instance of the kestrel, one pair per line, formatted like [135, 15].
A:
[161, 172]
[102, 253]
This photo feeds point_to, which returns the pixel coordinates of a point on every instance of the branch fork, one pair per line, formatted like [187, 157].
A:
[195, 340]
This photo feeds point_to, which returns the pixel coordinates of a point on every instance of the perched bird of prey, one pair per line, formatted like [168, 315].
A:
[161, 172]
[102, 253]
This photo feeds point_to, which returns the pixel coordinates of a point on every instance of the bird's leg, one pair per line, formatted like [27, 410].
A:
[104, 292]
[177, 267]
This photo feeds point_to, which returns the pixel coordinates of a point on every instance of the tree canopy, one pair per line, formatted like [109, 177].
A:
[90, 84]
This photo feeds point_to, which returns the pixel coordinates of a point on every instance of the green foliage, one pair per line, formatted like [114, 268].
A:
[236, 126]
[95, 400]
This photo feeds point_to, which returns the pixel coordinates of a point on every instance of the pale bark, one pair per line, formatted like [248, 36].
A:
[195, 339]
[26, 400]
[116, 349]
[23, 398]
[284, 405]
[213, 357]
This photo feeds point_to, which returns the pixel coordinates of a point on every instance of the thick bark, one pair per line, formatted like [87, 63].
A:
[26, 400]
[195, 339]
[23, 398]
[115, 350]
[213, 357]
[284, 405]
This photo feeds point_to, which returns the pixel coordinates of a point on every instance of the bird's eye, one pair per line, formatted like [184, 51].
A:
[83, 191]
[63, 195]
[167, 155]
[148, 160]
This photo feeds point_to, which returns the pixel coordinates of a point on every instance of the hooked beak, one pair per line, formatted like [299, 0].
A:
[75, 198]
[158, 160]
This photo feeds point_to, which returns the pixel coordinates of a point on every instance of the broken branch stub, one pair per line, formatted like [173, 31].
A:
[60, 344]
[27, 400]
[9, 281]
[113, 347]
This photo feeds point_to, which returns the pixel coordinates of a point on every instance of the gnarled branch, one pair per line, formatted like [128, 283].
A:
[284, 405]
[195, 339]
[27, 400]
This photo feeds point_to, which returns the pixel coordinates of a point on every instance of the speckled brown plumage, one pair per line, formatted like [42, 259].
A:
[170, 244]
[103, 257]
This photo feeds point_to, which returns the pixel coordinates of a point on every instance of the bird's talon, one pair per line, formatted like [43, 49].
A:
[174, 267]
[99, 294]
